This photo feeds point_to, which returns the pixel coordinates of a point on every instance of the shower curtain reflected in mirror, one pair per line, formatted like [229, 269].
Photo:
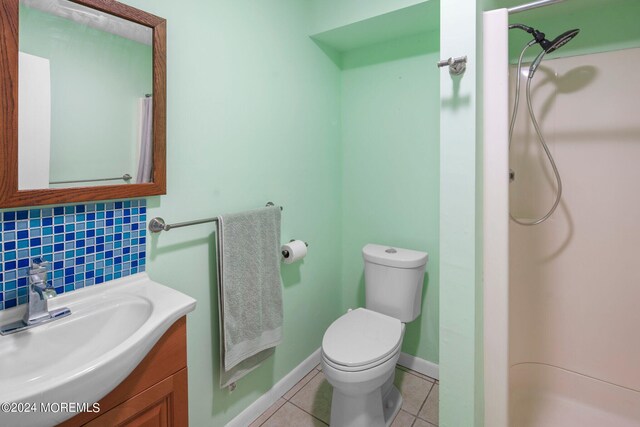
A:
[145, 161]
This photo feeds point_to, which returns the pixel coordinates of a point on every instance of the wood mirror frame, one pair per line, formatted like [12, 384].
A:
[10, 195]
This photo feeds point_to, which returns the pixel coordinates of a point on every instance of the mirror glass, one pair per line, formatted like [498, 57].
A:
[85, 97]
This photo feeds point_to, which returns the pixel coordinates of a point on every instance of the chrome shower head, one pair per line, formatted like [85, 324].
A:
[551, 46]
[558, 42]
[539, 36]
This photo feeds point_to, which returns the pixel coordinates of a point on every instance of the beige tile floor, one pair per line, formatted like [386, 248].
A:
[308, 403]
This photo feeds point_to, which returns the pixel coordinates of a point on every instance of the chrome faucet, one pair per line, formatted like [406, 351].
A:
[39, 293]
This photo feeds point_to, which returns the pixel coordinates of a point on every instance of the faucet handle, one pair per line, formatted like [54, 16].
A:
[38, 265]
[38, 271]
[38, 262]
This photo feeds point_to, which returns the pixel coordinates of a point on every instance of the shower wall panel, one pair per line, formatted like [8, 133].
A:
[575, 279]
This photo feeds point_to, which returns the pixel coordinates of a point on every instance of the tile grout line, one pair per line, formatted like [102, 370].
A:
[296, 393]
[432, 384]
[416, 374]
[274, 412]
[303, 386]
[424, 403]
[307, 412]
[288, 400]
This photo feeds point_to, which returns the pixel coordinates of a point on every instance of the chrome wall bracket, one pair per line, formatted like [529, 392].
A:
[457, 66]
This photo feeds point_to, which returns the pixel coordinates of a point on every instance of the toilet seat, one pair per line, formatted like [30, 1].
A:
[360, 368]
[361, 339]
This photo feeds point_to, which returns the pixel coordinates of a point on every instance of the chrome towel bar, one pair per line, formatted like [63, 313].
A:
[125, 177]
[158, 224]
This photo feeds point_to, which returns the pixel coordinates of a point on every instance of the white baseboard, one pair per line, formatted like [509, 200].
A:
[263, 403]
[417, 364]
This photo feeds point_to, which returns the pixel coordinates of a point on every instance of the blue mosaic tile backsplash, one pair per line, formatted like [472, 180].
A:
[85, 245]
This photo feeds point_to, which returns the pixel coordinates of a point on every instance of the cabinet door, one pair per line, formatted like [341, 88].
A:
[162, 405]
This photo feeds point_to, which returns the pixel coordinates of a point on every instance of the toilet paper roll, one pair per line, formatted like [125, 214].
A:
[293, 251]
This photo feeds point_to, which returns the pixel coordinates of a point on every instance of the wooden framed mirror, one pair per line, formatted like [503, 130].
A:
[83, 94]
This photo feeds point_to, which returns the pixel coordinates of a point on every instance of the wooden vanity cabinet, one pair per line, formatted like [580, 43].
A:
[153, 395]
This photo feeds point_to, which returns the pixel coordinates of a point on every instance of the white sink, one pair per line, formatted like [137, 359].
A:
[82, 357]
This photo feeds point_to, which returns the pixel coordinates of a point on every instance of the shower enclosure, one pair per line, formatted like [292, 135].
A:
[561, 300]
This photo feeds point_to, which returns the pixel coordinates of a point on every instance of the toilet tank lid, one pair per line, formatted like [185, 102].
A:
[394, 257]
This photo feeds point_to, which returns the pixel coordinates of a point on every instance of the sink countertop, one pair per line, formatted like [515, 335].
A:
[82, 357]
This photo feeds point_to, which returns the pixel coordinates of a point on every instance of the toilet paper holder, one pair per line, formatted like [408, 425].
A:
[286, 253]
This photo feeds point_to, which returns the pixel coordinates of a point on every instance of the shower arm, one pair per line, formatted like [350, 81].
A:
[538, 36]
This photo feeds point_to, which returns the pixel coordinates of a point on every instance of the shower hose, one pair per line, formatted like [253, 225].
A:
[540, 139]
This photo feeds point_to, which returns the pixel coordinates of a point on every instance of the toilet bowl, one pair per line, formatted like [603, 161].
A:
[359, 354]
[361, 348]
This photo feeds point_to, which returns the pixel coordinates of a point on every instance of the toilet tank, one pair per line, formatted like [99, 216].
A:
[393, 280]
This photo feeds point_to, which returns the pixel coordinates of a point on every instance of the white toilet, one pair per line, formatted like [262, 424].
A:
[361, 348]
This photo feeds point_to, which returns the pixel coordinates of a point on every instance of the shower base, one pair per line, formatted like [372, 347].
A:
[548, 396]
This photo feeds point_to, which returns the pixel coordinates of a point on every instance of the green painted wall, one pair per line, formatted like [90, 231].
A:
[329, 14]
[263, 103]
[460, 286]
[97, 79]
[390, 139]
[253, 116]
